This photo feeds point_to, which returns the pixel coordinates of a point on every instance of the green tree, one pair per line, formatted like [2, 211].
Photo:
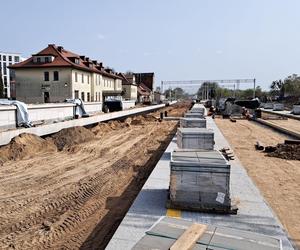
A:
[209, 89]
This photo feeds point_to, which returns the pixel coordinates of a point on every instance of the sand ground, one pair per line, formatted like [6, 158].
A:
[277, 179]
[72, 190]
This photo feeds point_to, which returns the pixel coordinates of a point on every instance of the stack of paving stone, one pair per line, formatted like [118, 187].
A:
[200, 175]
[195, 138]
[199, 181]
[197, 111]
[192, 122]
[171, 233]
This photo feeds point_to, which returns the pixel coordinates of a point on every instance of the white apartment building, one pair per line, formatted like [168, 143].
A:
[7, 59]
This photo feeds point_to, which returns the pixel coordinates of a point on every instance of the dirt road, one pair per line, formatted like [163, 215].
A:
[72, 190]
[277, 179]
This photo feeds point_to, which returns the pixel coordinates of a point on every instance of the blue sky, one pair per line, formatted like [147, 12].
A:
[178, 40]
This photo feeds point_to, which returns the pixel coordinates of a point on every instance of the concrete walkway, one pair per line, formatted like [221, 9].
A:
[285, 113]
[254, 213]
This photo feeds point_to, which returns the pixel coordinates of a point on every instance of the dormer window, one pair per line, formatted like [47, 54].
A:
[76, 60]
[43, 59]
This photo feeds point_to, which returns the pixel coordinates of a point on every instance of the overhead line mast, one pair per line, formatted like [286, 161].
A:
[199, 82]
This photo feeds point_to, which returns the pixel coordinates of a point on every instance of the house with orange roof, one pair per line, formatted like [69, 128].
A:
[55, 74]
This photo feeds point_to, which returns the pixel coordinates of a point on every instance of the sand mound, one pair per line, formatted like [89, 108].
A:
[25, 146]
[286, 151]
[105, 127]
[71, 136]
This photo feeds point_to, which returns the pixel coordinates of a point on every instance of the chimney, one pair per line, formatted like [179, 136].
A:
[82, 58]
[60, 48]
[87, 59]
[94, 62]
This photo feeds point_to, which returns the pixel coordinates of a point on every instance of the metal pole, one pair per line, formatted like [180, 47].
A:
[254, 87]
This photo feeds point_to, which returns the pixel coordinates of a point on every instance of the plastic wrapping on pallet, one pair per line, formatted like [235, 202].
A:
[296, 110]
[200, 179]
[195, 138]
[268, 105]
[192, 122]
[166, 231]
[278, 107]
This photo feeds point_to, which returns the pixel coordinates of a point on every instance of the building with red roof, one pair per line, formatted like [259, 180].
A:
[55, 74]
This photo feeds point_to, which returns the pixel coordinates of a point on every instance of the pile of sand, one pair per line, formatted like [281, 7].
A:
[25, 146]
[71, 136]
[286, 151]
[105, 127]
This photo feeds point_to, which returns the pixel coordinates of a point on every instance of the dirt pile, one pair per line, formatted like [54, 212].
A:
[286, 151]
[105, 127]
[71, 136]
[25, 146]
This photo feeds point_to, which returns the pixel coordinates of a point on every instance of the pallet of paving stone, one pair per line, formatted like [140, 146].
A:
[195, 138]
[174, 233]
[194, 115]
[192, 122]
[199, 180]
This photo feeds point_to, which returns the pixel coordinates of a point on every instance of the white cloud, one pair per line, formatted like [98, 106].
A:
[219, 52]
[147, 53]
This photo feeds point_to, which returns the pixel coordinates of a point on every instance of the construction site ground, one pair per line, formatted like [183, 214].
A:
[72, 189]
[253, 214]
[278, 179]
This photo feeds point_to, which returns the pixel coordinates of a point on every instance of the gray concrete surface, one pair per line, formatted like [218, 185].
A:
[285, 113]
[6, 136]
[254, 213]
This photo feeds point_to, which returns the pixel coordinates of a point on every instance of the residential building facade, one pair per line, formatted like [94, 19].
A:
[7, 59]
[129, 87]
[55, 74]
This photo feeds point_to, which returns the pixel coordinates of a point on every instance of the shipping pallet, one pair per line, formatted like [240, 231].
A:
[232, 209]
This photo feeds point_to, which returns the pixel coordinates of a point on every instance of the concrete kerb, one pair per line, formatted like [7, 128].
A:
[6, 136]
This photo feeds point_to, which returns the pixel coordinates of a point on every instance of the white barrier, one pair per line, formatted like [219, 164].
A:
[42, 130]
[45, 112]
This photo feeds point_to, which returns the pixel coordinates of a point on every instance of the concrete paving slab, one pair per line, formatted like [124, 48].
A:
[254, 213]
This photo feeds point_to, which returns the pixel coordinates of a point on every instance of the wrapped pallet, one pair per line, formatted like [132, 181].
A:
[172, 233]
[296, 110]
[278, 107]
[200, 181]
[194, 115]
[192, 122]
[195, 138]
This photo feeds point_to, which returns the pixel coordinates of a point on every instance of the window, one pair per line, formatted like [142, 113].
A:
[4, 68]
[17, 59]
[88, 80]
[76, 94]
[82, 96]
[76, 60]
[4, 58]
[76, 77]
[88, 97]
[55, 76]
[0, 57]
[46, 76]
[82, 78]
[47, 59]
[10, 58]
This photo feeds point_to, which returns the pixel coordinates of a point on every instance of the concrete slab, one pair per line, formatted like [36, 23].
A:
[254, 213]
[286, 113]
[42, 130]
